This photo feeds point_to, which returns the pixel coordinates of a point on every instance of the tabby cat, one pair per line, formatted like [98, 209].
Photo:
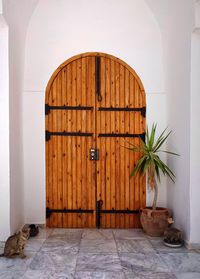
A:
[15, 244]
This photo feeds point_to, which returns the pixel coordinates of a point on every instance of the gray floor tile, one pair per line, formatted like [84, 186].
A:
[44, 233]
[67, 233]
[9, 274]
[98, 246]
[106, 254]
[99, 275]
[58, 261]
[128, 234]
[182, 262]
[98, 262]
[149, 275]
[97, 234]
[61, 244]
[16, 264]
[134, 246]
[47, 274]
[142, 262]
[34, 244]
[189, 275]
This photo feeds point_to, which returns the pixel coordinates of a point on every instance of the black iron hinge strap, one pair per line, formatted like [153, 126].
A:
[66, 134]
[98, 77]
[50, 211]
[115, 211]
[142, 110]
[113, 135]
[49, 108]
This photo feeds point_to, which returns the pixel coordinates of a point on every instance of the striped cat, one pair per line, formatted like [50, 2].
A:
[15, 244]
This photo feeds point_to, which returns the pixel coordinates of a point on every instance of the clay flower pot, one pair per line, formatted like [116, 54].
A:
[154, 222]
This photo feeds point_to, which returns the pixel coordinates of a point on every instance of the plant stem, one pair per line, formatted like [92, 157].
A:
[155, 196]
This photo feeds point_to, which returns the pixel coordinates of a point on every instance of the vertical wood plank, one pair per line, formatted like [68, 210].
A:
[132, 154]
[94, 143]
[102, 159]
[64, 146]
[74, 144]
[117, 143]
[108, 145]
[55, 159]
[122, 151]
[84, 157]
[126, 151]
[137, 126]
[59, 155]
[112, 143]
[79, 147]
[89, 140]
[69, 146]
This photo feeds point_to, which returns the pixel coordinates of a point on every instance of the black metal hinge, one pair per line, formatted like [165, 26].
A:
[66, 134]
[126, 135]
[142, 110]
[50, 211]
[49, 108]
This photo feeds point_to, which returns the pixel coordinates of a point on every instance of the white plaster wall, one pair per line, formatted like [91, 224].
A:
[59, 30]
[194, 138]
[156, 113]
[1, 8]
[17, 14]
[177, 57]
[197, 14]
[176, 22]
[4, 132]
[34, 157]
[126, 29]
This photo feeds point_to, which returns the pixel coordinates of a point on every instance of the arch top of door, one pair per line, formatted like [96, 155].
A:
[89, 54]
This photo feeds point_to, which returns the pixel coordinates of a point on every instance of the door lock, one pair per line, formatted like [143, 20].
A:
[94, 154]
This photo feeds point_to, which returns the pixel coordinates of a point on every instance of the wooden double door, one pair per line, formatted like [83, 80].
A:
[95, 105]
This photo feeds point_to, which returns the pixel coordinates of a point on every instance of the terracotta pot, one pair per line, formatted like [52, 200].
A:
[154, 222]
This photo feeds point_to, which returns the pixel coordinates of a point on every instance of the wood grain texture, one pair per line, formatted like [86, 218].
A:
[73, 181]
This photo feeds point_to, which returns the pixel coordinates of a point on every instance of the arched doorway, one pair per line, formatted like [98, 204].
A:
[94, 104]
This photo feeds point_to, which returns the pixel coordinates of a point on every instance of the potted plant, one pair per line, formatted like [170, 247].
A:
[154, 220]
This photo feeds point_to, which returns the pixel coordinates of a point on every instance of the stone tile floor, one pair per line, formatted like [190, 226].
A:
[102, 254]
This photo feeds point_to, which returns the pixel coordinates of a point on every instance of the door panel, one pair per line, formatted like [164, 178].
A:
[93, 103]
[119, 91]
[69, 172]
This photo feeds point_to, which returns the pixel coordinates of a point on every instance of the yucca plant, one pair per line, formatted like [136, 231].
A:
[150, 162]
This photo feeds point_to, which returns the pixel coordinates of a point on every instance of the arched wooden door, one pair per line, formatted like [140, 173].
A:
[95, 103]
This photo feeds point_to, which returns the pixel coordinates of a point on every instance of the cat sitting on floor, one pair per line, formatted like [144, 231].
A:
[15, 244]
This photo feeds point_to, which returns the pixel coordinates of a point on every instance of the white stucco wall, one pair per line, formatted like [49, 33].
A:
[4, 133]
[176, 22]
[16, 14]
[194, 141]
[197, 14]
[177, 52]
[57, 31]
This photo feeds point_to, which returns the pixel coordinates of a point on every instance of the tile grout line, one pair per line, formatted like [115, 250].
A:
[75, 270]
[118, 254]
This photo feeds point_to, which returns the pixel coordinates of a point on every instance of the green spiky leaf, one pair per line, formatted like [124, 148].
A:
[149, 161]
